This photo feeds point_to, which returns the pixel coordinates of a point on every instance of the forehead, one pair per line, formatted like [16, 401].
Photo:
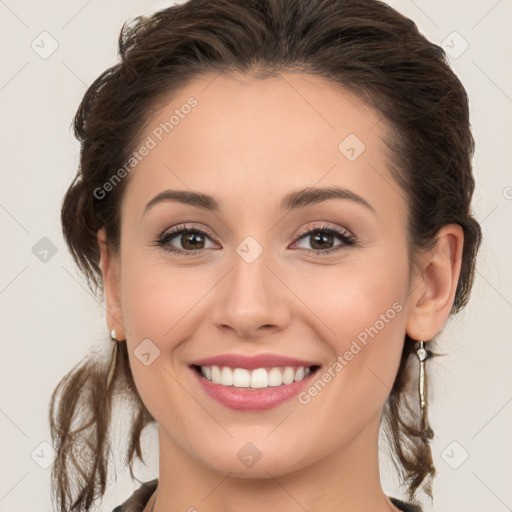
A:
[247, 140]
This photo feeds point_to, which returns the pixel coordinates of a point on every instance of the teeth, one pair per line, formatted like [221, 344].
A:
[275, 377]
[226, 377]
[240, 377]
[258, 378]
[300, 373]
[288, 375]
[215, 374]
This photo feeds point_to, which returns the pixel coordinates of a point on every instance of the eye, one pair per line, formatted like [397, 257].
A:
[191, 240]
[321, 239]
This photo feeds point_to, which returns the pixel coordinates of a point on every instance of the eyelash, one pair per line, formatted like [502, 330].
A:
[347, 240]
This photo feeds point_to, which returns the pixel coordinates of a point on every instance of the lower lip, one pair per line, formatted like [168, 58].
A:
[244, 399]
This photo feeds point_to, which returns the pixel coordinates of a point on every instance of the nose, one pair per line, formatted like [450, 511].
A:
[251, 301]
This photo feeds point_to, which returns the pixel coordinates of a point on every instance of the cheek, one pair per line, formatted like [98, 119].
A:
[367, 316]
[156, 296]
[360, 310]
[154, 303]
[356, 298]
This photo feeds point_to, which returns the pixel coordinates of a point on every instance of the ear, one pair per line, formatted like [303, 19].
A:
[110, 269]
[435, 283]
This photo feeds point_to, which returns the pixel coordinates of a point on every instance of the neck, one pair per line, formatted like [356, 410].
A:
[347, 480]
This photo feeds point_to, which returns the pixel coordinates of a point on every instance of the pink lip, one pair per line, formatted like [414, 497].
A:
[244, 399]
[252, 362]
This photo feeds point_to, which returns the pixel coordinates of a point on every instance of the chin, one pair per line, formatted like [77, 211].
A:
[249, 462]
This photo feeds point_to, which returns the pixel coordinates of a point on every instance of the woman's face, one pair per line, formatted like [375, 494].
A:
[277, 267]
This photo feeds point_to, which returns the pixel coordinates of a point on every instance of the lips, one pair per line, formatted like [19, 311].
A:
[240, 394]
[252, 362]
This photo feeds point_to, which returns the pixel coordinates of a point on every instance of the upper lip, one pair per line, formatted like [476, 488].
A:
[251, 362]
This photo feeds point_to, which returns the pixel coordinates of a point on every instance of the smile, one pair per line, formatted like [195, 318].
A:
[256, 389]
[258, 378]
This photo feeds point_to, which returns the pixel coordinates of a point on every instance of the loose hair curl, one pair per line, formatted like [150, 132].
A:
[364, 46]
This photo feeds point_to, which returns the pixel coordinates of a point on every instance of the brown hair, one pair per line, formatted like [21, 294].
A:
[363, 45]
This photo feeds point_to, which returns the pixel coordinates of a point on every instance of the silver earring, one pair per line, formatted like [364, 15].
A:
[423, 354]
[113, 361]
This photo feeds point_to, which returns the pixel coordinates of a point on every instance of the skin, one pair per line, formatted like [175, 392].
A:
[249, 142]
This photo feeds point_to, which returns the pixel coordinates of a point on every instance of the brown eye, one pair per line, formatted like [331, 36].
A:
[322, 240]
[192, 241]
[185, 240]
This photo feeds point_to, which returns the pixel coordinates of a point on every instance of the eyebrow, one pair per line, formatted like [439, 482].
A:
[291, 201]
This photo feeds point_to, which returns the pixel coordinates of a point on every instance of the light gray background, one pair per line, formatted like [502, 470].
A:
[50, 320]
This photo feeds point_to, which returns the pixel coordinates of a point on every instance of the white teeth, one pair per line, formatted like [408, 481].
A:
[215, 374]
[258, 378]
[241, 378]
[288, 375]
[275, 377]
[226, 376]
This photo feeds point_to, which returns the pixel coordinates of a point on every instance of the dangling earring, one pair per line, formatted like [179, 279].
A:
[112, 367]
[423, 354]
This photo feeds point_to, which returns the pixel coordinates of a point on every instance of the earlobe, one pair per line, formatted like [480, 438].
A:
[109, 264]
[433, 291]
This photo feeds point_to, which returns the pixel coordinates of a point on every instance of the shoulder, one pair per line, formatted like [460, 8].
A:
[138, 500]
[404, 506]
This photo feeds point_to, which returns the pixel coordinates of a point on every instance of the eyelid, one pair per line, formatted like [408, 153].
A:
[321, 226]
[186, 226]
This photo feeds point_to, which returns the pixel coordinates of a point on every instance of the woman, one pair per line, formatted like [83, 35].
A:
[274, 197]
